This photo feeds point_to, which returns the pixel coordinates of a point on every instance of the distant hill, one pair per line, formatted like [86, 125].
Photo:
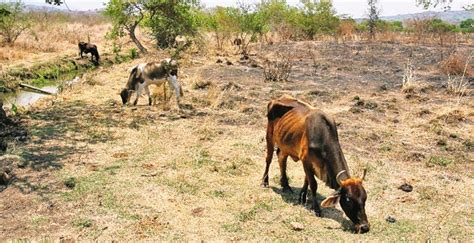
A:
[454, 17]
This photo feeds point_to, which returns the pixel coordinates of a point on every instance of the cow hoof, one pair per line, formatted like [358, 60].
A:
[318, 213]
[264, 184]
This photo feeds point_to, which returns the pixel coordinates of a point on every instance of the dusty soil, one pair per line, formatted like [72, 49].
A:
[93, 169]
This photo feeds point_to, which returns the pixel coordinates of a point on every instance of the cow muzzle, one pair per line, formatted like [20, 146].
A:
[362, 228]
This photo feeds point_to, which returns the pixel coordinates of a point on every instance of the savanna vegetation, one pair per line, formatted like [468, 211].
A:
[79, 165]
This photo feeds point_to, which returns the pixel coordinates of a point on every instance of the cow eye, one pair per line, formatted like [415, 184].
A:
[348, 200]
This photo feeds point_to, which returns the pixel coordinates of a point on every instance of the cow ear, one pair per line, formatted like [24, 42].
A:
[331, 201]
[277, 109]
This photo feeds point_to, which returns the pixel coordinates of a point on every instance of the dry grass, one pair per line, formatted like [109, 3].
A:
[140, 172]
[457, 64]
[409, 83]
[280, 68]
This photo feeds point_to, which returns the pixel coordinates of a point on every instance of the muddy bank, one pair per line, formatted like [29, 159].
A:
[52, 73]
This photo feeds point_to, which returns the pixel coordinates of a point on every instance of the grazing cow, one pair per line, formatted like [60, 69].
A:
[89, 48]
[305, 133]
[144, 74]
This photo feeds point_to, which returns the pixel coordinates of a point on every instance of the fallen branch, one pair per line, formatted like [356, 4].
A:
[36, 89]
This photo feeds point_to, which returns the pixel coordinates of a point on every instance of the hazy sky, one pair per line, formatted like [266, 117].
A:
[355, 8]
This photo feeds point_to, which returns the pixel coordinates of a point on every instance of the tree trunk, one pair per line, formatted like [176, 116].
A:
[136, 41]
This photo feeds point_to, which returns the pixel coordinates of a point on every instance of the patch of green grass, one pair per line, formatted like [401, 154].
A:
[232, 227]
[36, 220]
[249, 215]
[217, 193]
[183, 185]
[438, 160]
[82, 223]
[70, 182]
[92, 183]
[402, 228]
[385, 147]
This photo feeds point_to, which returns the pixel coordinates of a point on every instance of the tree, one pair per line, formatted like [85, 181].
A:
[168, 19]
[373, 17]
[428, 3]
[12, 22]
[467, 25]
[318, 17]
[126, 17]
[222, 24]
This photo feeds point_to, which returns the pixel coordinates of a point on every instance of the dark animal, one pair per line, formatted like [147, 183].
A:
[305, 133]
[89, 48]
[237, 42]
[145, 74]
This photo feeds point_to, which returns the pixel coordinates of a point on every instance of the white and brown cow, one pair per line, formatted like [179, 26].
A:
[144, 74]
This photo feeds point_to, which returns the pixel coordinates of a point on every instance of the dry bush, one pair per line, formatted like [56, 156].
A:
[420, 28]
[279, 69]
[456, 64]
[346, 30]
[388, 36]
[457, 85]
[409, 80]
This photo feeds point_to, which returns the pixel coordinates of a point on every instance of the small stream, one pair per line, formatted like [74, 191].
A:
[27, 98]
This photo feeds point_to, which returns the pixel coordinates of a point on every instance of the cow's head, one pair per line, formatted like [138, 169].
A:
[125, 94]
[351, 196]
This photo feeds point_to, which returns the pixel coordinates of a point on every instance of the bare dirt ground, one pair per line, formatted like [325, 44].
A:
[93, 169]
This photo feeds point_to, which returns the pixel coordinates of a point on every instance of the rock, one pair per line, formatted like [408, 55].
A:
[197, 212]
[219, 60]
[297, 226]
[228, 62]
[406, 187]
[390, 219]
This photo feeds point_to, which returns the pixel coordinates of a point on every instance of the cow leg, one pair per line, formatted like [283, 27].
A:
[313, 186]
[282, 161]
[147, 91]
[139, 92]
[304, 192]
[268, 160]
[173, 81]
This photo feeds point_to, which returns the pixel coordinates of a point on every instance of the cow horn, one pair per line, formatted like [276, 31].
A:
[364, 173]
[337, 177]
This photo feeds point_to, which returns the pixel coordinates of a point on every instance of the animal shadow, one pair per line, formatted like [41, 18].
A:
[330, 213]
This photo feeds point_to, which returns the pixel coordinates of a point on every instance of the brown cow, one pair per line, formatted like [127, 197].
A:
[305, 133]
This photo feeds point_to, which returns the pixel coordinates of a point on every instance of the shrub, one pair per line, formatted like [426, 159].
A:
[280, 69]
[409, 79]
[456, 64]
[12, 22]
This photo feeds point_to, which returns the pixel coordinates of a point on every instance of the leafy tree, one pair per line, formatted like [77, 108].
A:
[222, 24]
[12, 22]
[126, 16]
[428, 3]
[318, 18]
[168, 19]
[467, 25]
[441, 29]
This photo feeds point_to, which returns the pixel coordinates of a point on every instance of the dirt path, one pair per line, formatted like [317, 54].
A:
[93, 169]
